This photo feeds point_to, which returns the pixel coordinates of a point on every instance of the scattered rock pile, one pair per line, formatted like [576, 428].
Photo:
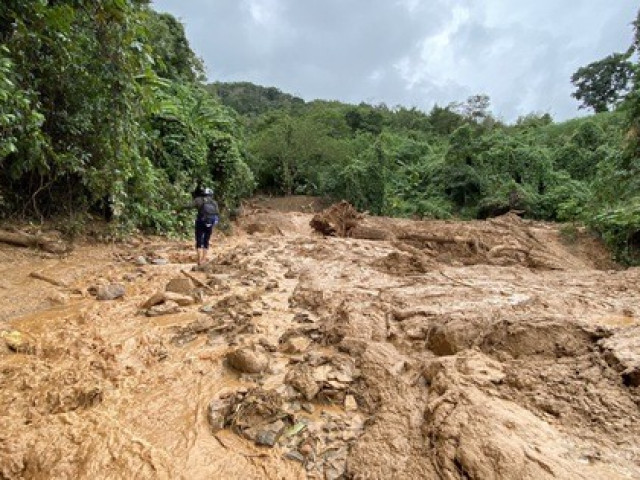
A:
[321, 443]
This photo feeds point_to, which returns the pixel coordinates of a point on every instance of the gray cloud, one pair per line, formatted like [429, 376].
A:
[409, 52]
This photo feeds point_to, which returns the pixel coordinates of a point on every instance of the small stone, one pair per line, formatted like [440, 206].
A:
[266, 438]
[268, 345]
[182, 300]
[154, 299]
[217, 412]
[16, 341]
[141, 260]
[269, 436]
[350, 404]
[58, 298]
[296, 345]
[321, 373]
[110, 292]
[183, 286]
[290, 274]
[343, 377]
[308, 407]
[303, 381]
[167, 308]
[294, 455]
[305, 449]
[160, 261]
[248, 361]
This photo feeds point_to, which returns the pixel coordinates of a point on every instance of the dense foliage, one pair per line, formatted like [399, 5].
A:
[101, 111]
[459, 160]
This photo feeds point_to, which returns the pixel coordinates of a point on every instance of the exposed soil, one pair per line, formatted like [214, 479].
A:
[380, 348]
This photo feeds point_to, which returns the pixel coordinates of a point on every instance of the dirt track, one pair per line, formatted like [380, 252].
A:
[481, 350]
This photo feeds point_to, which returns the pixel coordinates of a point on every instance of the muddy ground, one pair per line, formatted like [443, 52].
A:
[503, 349]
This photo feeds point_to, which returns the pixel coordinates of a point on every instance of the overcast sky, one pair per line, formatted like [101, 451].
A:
[413, 53]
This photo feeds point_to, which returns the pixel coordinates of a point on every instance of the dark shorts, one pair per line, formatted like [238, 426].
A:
[203, 234]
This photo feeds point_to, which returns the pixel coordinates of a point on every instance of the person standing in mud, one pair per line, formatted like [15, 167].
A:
[207, 217]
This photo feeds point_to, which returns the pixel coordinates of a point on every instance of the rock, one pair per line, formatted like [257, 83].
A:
[321, 373]
[350, 404]
[301, 378]
[16, 342]
[110, 292]
[266, 438]
[269, 435]
[344, 377]
[160, 261]
[58, 298]
[154, 299]
[295, 456]
[141, 260]
[308, 407]
[268, 345]
[248, 361]
[217, 413]
[183, 286]
[306, 449]
[293, 407]
[166, 308]
[296, 345]
[182, 300]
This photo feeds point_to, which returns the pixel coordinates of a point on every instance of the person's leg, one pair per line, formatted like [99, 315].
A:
[205, 242]
[200, 236]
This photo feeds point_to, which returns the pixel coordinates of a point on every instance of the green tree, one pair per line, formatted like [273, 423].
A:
[601, 85]
[173, 57]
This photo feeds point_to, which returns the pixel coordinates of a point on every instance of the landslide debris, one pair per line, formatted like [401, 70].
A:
[382, 348]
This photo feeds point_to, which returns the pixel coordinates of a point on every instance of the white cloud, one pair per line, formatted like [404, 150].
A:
[410, 52]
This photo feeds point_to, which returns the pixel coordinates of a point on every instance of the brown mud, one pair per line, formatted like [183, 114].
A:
[383, 349]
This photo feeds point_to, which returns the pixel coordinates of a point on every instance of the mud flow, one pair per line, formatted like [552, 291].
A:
[325, 346]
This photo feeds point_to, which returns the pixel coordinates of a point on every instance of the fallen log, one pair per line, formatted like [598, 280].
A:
[21, 239]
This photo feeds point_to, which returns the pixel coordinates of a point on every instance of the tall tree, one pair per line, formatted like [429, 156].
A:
[603, 84]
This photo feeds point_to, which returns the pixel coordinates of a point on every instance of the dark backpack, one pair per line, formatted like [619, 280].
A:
[208, 212]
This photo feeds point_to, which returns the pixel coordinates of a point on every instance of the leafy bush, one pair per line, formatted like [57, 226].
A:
[620, 228]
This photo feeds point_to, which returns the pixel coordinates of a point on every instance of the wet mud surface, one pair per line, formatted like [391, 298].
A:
[390, 349]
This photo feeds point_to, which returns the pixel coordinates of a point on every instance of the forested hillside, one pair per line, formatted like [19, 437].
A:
[458, 160]
[104, 112]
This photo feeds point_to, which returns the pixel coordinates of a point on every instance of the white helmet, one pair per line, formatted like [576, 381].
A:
[208, 192]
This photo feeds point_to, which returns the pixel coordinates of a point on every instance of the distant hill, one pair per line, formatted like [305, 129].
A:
[249, 99]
